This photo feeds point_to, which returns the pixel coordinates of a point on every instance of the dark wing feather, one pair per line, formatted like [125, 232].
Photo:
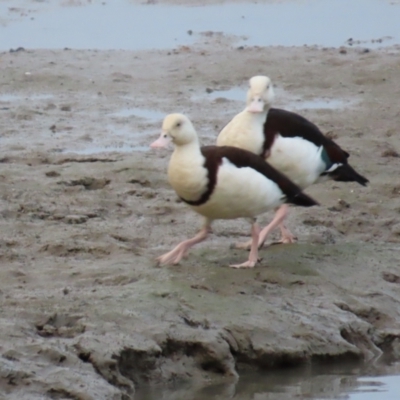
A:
[290, 124]
[243, 158]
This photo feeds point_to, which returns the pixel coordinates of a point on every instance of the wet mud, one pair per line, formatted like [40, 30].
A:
[85, 209]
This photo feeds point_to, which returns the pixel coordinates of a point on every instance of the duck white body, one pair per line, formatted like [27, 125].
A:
[289, 142]
[222, 183]
[246, 131]
[229, 200]
[297, 158]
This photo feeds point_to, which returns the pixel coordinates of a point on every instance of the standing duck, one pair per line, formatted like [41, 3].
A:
[223, 183]
[289, 142]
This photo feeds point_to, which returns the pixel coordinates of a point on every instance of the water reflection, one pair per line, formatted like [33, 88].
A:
[377, 388]
[288, 385]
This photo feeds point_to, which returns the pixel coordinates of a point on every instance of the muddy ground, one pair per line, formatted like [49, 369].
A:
[86, 313]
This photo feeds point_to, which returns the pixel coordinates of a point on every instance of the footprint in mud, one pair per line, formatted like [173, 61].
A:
[72, 249]
[60, 325]
[390, 277]
[88, 183]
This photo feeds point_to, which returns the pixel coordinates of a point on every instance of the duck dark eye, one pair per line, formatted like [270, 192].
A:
[178, 124]
[165, 135]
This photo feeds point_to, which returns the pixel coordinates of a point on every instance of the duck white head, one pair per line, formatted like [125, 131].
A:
[260, 94]
[178, 129]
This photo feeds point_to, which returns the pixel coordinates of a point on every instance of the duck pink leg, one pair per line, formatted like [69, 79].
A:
[176, 255]
[279, 217]
[286, 235]
[253, 257]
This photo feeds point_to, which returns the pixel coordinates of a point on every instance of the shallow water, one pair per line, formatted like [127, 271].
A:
[151, 115]
[235, 93]
[284, 99]
[319, 104]
[120, 139]
[117, 24]
[324, 384]
[377, 388]
[9, 97]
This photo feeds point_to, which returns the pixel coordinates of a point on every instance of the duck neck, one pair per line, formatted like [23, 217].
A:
[186, 171]
[187, 151]
[192, 147]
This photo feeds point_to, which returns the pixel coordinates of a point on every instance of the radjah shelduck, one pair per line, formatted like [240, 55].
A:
[289, 142]
[222, 183]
